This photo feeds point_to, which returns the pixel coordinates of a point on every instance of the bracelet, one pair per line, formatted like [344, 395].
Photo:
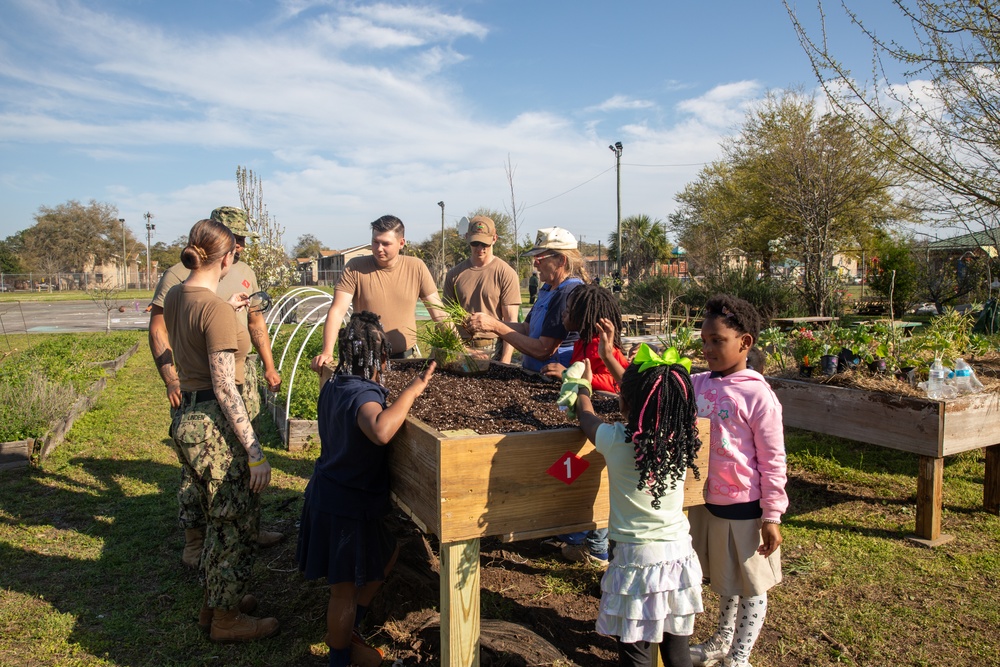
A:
[776, 522]
[257, 463]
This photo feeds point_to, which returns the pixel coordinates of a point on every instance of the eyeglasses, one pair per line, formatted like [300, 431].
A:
[539, 258]
[479, 244]
[259, 302]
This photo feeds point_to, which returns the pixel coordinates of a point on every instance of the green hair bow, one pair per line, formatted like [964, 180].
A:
[646, 357]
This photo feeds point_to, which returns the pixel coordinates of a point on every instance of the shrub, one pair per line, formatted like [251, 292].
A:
[773, 297]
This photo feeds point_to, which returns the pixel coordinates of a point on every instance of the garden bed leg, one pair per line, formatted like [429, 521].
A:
[930, 482]
[460, 603]
[991, 480]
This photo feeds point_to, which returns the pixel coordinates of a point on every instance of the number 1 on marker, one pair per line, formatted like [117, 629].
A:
[569, 467]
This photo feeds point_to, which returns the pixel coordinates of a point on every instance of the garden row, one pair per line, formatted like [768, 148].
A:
[46, 385]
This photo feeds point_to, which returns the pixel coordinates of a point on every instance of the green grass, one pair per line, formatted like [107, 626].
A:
[90, 573]
[140, 295]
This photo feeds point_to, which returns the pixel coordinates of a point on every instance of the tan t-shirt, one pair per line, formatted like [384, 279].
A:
[390, 293]
[240, 278]
[200, 323]
[483, 289]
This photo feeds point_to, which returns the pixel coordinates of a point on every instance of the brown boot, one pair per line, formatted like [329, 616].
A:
[232, 625]
[268, 538]
[247, 605]
[194, 542]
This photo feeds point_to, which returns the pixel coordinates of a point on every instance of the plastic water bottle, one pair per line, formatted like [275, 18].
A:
[935, 385]
[964, 378]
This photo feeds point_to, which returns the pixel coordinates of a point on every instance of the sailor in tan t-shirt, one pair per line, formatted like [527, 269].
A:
[240, 279]
[387, 284]
[484, 283]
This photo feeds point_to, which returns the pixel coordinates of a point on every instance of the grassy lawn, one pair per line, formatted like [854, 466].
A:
[91, 572]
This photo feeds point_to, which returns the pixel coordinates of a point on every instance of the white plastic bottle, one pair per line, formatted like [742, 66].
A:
[936, 386]
[965, 380]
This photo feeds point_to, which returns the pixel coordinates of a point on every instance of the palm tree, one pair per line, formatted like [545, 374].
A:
[644, 245]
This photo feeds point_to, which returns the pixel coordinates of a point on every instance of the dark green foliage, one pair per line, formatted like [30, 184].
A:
[894, 271]
[772, 297]
[654, 294]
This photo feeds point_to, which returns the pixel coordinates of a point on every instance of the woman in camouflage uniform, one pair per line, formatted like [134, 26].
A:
[212, 434]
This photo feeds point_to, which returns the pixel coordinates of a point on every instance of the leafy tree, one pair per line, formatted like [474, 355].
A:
[308, 246]
[71, 236]
[644, 245]
[941, 120]
[166, 255]
[797, 182]
[10, 261]
[893, 273]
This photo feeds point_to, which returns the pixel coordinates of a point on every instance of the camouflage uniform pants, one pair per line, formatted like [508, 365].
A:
[216, 466]
[190, 514]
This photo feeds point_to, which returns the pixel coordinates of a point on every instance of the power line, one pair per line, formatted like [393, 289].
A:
[545, 201]
[689, 164]
[575, 187]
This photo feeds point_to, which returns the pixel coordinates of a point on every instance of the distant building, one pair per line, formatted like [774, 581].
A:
[330, 264]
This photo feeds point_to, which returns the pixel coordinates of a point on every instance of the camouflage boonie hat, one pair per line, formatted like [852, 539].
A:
[234, 218]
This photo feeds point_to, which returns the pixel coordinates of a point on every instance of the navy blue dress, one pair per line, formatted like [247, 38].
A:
[342, 534]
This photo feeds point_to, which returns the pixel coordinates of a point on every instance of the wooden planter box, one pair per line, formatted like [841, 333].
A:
[928, 428]
[462, 486]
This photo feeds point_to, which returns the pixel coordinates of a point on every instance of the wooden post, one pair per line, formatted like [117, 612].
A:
[991, 480]
[930, 482]
[460, 603]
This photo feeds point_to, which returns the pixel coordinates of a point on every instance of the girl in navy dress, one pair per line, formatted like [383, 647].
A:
[343, 535]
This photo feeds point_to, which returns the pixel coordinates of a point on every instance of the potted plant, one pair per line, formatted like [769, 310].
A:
[446, 346]
[805, 347]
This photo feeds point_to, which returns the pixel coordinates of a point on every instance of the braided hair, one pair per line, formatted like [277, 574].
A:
[661, 425]
[363, 347]
[587, 304]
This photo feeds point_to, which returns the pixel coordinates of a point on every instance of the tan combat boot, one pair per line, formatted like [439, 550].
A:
[268, 538]
[232, 625]
[247, 605]
[194, 542]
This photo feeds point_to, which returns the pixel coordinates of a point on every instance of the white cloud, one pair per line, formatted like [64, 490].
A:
[621, 103]
[724, 105]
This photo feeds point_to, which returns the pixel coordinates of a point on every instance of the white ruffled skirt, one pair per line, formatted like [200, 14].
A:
[650, 589]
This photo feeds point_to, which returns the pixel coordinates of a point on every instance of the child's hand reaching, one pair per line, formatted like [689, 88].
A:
[420, 381]
[770, 535]
[605, 338]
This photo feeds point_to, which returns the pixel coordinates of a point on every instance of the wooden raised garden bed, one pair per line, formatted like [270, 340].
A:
[462, 486]
[931, 429]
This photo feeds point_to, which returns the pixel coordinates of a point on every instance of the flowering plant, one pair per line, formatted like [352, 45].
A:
[806, 347]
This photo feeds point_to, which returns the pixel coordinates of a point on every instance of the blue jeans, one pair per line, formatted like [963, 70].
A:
[596, 540]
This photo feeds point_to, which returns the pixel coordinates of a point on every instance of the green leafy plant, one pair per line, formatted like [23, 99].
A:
[775, 344]
[806, 346]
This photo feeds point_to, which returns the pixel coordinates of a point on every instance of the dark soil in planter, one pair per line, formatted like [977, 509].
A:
[505, 399]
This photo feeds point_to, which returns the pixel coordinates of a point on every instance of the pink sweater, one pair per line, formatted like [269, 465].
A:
[747, 460]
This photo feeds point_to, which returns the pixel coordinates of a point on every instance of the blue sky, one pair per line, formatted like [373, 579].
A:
[351, 110]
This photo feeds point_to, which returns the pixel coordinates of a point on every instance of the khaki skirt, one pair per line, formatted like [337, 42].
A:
[727, 550]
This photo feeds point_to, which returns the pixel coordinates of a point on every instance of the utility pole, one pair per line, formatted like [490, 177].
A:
[441, 204]
[124, 258]
[149, 230]
[616, 148]
[599, 263]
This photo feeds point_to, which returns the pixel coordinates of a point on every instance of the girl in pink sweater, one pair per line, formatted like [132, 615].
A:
[737, 533]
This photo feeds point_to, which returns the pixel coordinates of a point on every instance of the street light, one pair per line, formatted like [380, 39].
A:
[616, 148]
[124, 258]
[441, 204]
[149, 230]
